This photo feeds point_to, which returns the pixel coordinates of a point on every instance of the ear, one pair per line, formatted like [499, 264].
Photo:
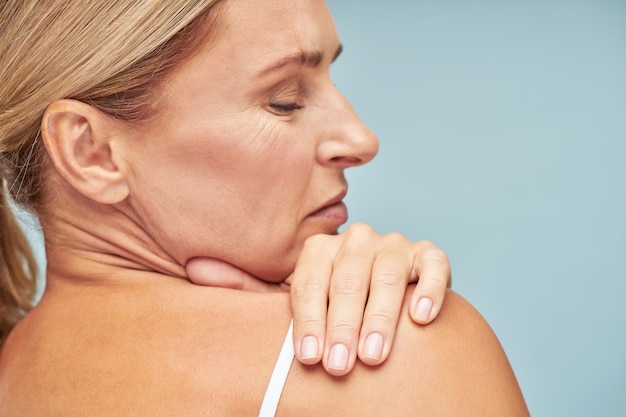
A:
[80, 140]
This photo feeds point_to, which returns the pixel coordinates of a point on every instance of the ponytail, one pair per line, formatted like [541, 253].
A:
[18, 269]
[110, 54]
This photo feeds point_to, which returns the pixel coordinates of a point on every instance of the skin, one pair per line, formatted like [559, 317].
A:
[262, 139]
[271, 111]
[328, 313]
[117, 333]
[252, 169]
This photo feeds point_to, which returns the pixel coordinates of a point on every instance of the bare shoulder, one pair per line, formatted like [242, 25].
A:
[168, 349]
[453, 367]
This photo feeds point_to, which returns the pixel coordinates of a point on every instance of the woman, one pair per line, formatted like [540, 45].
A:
[223, 114]
[23, 110]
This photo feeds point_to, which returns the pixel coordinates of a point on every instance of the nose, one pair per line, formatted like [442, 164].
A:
[347, 142]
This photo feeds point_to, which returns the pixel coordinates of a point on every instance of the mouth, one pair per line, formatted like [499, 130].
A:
[333, 211]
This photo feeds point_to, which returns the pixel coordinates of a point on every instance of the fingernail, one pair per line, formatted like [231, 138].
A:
[423, 309]
[373, 346]
[338, 358]
[308, 348]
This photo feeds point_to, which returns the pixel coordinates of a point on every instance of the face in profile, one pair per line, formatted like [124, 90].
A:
[246, 158]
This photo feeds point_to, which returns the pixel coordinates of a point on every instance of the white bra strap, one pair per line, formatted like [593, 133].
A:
[279, 376]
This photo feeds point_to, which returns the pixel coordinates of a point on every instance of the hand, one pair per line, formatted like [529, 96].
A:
[347, 292]
[330, 286]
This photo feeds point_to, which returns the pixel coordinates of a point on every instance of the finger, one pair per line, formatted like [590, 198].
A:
[433, 272]
[347, 297]
[309, 297]
[390, 275]
[217, 273]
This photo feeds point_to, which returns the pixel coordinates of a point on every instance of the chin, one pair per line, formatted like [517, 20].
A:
[275, 268]
[273, 275]
[276, 264]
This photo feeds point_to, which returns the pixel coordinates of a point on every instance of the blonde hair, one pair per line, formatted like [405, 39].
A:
[108, 53]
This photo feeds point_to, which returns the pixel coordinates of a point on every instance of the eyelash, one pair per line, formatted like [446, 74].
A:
[286, 108]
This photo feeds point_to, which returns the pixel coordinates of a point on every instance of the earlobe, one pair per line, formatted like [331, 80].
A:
[80, 140]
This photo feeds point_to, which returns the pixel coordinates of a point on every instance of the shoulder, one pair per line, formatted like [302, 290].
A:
[454, 366]
[168, 349]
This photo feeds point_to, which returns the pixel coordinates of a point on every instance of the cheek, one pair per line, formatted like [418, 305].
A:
[270, 190]
[233, 189]
[262, 164]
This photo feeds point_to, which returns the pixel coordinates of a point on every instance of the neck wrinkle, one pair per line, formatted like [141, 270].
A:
[107, 243]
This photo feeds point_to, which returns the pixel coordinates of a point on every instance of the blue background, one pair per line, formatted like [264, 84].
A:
[503, 140]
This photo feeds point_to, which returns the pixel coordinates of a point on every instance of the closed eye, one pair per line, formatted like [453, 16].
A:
[285, 108]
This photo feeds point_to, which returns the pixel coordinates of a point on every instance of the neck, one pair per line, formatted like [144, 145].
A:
[86, 241]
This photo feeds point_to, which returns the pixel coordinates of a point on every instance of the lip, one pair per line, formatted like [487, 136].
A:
[333, 210]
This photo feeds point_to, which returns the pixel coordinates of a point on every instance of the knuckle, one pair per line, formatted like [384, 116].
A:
[395, 238]
[316, 241]
[433, 267]
[433, 282]
[348, 285]
[426, 243]
[306, 288]
[342, 330]
[359, 229]
[310, 324]
[395, 242]
[381, 318]
[389, 277]
[435, 255]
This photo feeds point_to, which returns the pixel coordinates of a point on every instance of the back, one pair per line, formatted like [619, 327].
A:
[179, 349]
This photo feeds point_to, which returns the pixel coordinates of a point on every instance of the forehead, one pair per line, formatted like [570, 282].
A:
[250, 36]
[258, 32]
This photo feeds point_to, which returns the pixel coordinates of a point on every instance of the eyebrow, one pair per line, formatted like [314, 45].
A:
[302, 58]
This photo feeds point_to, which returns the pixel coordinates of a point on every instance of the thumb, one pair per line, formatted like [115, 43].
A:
[213, 272]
